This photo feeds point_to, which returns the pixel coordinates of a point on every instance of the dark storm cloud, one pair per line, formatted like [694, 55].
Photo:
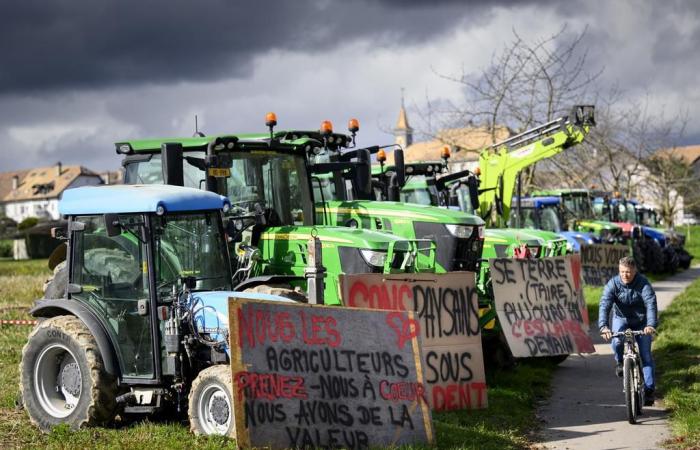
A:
[70, 44]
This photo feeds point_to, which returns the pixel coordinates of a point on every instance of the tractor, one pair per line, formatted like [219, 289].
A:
[141, 325]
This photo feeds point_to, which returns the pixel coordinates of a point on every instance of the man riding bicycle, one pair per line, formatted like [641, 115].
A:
[633, 304]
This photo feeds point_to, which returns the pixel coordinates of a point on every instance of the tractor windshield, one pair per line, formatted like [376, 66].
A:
[191, 245]
[275, 182]
[577, 207]
[549, 219]
[419, 196]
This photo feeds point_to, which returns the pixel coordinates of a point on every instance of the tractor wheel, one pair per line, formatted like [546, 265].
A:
[670, 259]
[55, 287]
[63, 378]
[684, 258]
[654, 256]
[282, 290]
[210, 406]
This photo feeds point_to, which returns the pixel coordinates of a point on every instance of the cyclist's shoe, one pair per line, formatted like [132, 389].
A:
[648, 397]
[618, 370]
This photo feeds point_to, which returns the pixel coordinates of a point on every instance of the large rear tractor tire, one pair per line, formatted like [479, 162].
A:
[282, 290]
[210, 406]
[63, 378]
[55, 287]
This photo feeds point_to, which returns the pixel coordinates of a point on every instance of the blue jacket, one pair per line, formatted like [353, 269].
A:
[635, 303]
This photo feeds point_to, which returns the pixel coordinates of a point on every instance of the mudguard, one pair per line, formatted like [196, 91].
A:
[59, 307]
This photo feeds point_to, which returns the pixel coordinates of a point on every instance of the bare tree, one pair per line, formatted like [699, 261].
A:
[526, 84]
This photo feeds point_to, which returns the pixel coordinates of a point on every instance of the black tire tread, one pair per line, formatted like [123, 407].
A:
[220, 373]
[629, 391]
[102, 406]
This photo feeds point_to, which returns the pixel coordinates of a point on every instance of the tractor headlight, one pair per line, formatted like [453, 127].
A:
[460, 231]
[374, 258]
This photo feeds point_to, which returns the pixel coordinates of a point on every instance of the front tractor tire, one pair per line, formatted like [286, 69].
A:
[63, 378]
[210, 406]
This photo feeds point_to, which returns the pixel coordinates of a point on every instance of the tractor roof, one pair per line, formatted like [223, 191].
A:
[230, 142]
[559, 192]
[137, 198]
[537, 202]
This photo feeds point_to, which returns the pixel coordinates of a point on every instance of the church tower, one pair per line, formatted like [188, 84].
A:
[403, 133]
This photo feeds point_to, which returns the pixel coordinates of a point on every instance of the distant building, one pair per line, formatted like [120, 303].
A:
[35, 192]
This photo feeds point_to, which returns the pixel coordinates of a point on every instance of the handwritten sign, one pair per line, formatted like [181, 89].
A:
[540, 305]
[317, 376]
[599, 262]
[447, 315]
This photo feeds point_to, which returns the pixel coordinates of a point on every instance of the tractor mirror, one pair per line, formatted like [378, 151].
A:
[399, 167]
[172, 164]
[363, 174]
[473, 186]
[114, 228]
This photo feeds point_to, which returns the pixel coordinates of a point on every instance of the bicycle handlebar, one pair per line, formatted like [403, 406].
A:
[626, 332]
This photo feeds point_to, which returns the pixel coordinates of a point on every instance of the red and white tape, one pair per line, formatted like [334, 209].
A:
[17, 322]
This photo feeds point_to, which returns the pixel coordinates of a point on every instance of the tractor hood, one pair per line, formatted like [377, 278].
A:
[398, 211]
[210, 309]
[596, 226]
[338, 236]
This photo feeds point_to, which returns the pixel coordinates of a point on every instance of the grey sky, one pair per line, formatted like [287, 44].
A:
[78, 76]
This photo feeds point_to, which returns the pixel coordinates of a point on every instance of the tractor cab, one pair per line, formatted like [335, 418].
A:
[142, 321]
[271, 218]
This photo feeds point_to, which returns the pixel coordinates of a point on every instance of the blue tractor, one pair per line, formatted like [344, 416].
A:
[140, 323]
[544, 213]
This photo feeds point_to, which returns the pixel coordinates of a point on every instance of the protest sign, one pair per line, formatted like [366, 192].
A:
[599, 262]
[540, 305]
[318, 376]
[446, 307]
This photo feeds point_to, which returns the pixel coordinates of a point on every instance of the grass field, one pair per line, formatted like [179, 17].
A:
[505, 424]
[677, 355]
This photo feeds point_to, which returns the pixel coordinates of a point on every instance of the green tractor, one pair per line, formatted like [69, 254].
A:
[579, 215]
[272, 213]
[141, 326]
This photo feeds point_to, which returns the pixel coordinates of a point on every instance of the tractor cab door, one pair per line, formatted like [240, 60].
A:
[111, 274]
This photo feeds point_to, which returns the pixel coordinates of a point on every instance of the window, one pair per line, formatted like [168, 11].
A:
[113, 274]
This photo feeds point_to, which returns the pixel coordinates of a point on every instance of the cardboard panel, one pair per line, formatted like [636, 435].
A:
[599, 262]
[447, 315]
[317, 376]
[540, 305]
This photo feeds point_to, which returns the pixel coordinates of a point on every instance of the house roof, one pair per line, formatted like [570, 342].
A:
[465, 144]
[690, 154]
[45, 183]
[6, 181]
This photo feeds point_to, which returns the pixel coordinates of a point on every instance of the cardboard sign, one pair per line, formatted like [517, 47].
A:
[318, 376]
[599, 262]
[540, 306]
[447, 312]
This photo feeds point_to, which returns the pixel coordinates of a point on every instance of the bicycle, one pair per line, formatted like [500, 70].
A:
[633, 379]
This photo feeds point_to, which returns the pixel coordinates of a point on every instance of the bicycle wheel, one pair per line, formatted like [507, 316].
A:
[630, 390]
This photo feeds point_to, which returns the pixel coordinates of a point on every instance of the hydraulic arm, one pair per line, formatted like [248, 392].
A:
[501, 163]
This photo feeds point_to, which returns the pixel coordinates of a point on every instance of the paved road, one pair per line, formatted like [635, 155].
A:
[587, 406]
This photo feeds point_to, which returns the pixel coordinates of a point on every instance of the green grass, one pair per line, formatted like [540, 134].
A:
[26, 267]
[692, 240]
[506, 424]
[677, 356]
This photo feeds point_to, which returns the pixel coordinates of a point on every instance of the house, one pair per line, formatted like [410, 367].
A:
[35, 192]
[464, 144]
[8, 182]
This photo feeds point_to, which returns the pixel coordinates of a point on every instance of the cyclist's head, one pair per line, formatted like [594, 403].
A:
[628, 269]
